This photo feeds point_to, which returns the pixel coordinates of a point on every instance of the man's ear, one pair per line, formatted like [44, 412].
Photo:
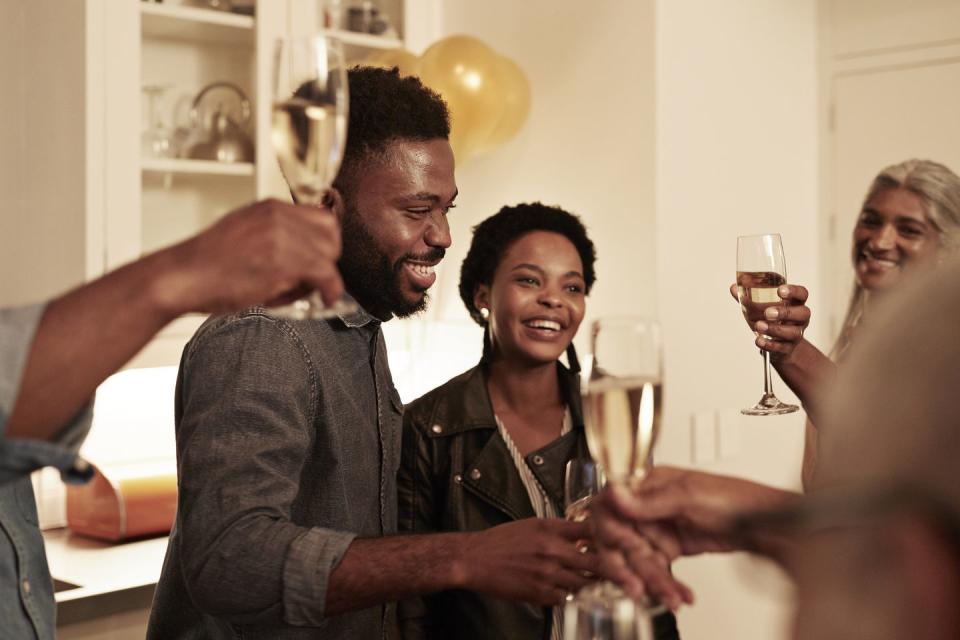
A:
[333, 200]
[481, 297]
[929, 563]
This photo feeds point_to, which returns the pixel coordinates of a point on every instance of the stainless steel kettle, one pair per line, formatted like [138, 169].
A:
[217, 136]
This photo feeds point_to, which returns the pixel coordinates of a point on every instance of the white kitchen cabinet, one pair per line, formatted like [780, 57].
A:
[79, 198]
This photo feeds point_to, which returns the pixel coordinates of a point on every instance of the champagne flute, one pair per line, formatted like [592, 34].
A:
[310, 103]
[582, 481]
[761, 269]
[623, 396]
[622, 406]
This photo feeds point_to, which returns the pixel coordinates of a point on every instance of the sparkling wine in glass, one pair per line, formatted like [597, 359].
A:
[761, 270]
[623, 396]
[309, 132]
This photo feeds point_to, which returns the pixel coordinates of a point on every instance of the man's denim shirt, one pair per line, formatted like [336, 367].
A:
[27, 608]
[288, 444]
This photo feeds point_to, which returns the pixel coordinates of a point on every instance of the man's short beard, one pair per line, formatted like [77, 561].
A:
[368, 274]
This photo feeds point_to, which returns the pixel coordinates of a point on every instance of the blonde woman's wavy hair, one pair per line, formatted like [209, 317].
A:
[939, 190]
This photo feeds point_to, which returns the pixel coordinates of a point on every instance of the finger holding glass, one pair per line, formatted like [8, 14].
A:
[783, 328]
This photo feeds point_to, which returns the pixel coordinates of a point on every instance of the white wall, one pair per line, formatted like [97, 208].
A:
[736, 154]
[42, 126]
[588, 144]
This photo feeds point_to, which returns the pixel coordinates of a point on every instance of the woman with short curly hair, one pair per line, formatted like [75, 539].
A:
[491, 445]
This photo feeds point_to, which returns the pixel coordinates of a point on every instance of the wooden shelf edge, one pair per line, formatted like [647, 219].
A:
[196, 167]
[196, 14]
[366, 40]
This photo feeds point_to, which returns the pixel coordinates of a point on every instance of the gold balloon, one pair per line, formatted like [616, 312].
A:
[407, 62]
[465, 72]
[515, 94]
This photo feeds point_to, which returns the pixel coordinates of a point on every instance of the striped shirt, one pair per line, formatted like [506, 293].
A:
[542, 506]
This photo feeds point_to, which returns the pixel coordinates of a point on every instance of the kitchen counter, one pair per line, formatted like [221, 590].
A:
[94, 579]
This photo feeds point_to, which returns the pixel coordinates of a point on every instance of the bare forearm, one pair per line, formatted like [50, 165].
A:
[810, 455]
[84, 336]
[262, 253]
[807, 371]
[376, 570]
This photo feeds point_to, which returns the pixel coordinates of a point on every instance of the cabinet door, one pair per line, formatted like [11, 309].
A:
[884, 116]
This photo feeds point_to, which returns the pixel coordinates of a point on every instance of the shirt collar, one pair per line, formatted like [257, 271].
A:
[356, 317]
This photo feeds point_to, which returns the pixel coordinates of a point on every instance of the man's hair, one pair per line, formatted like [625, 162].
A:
[493, 237]
[384, 108]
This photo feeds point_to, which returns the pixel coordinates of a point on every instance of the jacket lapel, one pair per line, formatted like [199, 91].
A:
[494, 478]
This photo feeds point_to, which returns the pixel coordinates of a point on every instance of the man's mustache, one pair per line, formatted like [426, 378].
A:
[434, 255]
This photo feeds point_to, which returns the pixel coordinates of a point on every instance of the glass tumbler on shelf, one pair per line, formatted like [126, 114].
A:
[157, 138]
[309, 132]
[761, 270]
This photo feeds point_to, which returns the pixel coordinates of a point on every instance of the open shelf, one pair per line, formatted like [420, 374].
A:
[173, 22]
[196, 167]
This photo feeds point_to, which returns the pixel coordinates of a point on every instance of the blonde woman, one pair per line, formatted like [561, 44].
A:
[910, 219]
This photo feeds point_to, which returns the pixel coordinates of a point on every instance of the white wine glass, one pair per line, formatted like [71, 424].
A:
[761, 270]
[623, 396]
[310, 109]
[622, 406]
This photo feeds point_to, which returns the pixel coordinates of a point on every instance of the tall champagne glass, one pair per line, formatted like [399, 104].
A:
[761, 269]
[310, 103]
[622, 406]
[623, 396]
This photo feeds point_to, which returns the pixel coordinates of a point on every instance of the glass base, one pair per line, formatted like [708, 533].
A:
[602, 611]
[312, 308]
[769, 405]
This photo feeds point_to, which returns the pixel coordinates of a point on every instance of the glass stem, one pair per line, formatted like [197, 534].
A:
[767, 379]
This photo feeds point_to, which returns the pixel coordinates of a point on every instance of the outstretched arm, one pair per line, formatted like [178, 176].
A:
[268, 251]
[673, 513]
[533, 560]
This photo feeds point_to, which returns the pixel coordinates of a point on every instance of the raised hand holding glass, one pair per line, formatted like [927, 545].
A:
[761, 270]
